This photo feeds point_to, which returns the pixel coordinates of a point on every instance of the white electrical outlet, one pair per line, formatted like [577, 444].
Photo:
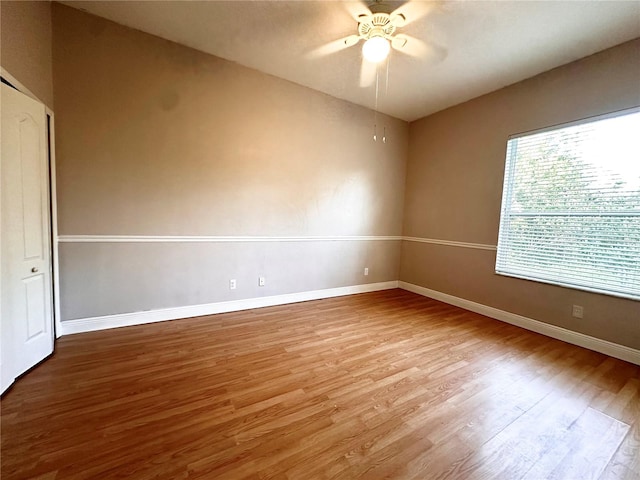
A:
[366, 270]
[232, 284]
[577, 311]
[261, 281]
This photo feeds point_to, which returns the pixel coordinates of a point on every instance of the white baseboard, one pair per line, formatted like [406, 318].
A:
[91, 324]
[608, 348]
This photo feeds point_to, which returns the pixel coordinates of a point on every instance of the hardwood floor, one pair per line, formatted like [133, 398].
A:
[379, 385]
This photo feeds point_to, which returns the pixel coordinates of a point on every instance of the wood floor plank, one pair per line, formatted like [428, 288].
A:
[379, 385]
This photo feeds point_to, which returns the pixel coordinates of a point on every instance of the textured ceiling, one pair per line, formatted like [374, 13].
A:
[465, 48]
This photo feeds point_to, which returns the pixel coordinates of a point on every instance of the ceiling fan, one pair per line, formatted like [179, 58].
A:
[377, 27]
[377, 30]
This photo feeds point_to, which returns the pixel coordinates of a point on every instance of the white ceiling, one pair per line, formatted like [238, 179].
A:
[470, 47]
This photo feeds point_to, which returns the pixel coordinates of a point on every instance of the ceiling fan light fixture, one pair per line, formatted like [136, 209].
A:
[376, 49]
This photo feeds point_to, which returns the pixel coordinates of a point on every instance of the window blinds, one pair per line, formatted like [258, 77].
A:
[571, 206]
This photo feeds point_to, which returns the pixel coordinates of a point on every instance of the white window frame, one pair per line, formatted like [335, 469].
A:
[506, 215]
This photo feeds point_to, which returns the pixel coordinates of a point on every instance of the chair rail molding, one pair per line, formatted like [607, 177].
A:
[219, 238]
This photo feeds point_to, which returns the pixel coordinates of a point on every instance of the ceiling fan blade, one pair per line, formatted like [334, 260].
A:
[363, 18]
[351, 40]
[334, 46]
[398, 20]
[367, 73]
[417, 48]
[356, 9]
[398, 42]
[412, 11]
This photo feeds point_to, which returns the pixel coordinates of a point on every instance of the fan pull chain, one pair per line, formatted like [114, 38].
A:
[386, 83]
[375, 109]
[386, 90]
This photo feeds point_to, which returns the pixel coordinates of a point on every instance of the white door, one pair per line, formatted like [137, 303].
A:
[26, 326]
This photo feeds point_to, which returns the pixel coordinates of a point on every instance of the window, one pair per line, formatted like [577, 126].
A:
[571, 206]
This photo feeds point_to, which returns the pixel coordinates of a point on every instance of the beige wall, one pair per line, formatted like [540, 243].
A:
[25, 45]
[104, 279]
[156, 139]
[454, 188]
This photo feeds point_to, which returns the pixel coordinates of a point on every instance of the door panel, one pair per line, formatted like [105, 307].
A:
[31, 172]
[34, 289]
[26, 326]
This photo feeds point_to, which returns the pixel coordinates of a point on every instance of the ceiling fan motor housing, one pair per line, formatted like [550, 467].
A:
[376, 25]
